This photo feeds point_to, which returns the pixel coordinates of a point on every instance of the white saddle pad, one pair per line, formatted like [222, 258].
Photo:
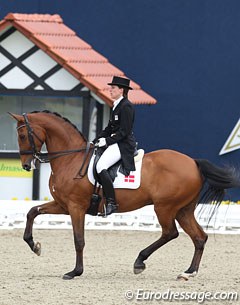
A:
[127, 182]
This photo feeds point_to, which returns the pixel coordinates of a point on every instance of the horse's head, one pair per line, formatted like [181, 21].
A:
[30, 139]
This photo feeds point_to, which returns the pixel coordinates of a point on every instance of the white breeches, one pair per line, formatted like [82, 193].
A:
[110, 156]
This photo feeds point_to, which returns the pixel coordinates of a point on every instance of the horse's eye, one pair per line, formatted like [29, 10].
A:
[22, 137]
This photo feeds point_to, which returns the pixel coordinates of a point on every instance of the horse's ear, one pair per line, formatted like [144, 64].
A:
[15, 116]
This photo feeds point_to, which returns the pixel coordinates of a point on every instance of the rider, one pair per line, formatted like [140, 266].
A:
[117, 139]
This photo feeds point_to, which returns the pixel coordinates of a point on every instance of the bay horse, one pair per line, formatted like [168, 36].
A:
[170, 180]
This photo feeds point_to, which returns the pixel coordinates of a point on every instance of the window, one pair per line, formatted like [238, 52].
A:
[71, 108]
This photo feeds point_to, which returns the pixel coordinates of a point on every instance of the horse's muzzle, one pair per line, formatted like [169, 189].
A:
[27, 167]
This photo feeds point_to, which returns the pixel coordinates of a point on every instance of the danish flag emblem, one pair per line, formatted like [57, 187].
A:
[130, 178]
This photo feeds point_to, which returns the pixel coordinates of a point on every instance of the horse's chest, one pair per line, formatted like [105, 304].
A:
[59, 184]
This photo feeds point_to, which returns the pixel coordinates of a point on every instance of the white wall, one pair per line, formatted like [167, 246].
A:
[15, 188]
[13, 215]
[44, 192]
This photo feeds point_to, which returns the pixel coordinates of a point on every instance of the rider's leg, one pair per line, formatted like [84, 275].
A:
[110, 156]
[108, 191]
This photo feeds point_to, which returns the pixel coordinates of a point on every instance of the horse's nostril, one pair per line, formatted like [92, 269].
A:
[26, 167]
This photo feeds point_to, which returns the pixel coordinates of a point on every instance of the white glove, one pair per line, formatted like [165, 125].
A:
[101, 142]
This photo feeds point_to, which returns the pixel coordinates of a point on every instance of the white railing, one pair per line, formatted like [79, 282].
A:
[13, 215]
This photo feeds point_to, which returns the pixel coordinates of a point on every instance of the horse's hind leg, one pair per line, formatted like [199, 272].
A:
[47, 208]
[187, 221]
[169, 232]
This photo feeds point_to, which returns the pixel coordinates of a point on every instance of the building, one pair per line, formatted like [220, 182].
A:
[184, 53]
[45, 65]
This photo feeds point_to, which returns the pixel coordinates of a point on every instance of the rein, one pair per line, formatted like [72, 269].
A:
[47, 157]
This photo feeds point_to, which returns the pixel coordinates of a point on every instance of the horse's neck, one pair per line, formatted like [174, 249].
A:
[62, 139]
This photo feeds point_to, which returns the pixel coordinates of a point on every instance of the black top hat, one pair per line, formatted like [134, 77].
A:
[121, 82]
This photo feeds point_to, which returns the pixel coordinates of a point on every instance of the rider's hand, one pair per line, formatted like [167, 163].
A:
[101, 142]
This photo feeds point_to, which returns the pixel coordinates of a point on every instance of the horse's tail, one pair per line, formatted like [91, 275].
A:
[217, 180]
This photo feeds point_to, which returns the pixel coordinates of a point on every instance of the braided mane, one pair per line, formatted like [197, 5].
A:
[63, 118]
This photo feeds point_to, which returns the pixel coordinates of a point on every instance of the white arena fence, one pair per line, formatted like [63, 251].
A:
[13, 215]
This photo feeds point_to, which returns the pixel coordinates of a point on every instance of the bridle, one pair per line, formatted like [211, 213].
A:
[31, 133]
[47, 157]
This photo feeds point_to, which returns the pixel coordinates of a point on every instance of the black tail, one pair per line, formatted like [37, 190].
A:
[217, 179]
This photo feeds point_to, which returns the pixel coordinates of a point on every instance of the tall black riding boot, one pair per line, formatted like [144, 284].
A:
[108, 191]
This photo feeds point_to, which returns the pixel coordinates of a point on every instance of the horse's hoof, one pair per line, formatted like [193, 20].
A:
[37, 248]
[185, 276]
[182, 278]
[67, 277]
[139, 268]
[71, 275]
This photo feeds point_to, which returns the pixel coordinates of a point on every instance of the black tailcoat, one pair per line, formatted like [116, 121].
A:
[120, 130]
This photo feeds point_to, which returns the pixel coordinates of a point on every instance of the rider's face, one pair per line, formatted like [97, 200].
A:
[115, 92]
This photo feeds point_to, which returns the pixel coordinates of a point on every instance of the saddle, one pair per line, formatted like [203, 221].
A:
[127, 181]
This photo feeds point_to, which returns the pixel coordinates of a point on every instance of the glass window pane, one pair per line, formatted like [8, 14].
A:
[68, 107]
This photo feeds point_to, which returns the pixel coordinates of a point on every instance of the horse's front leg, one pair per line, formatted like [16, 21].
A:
[51, 207]
[78, 216]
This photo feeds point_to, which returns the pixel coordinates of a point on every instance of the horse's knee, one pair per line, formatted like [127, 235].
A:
[33, 212]
[170, 234]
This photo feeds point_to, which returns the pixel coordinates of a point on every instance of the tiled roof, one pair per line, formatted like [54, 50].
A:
[62, 44]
